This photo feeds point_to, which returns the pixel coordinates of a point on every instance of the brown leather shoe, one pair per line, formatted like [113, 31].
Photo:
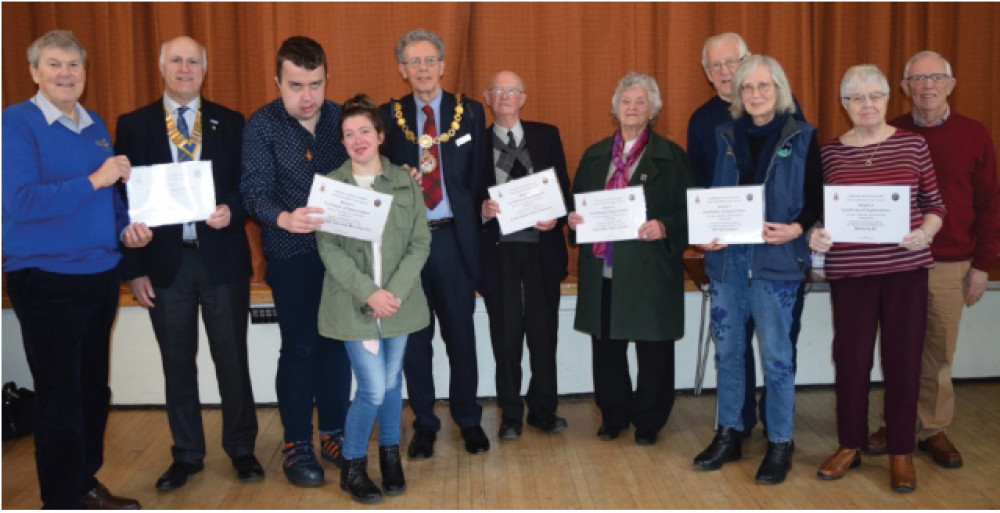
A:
[101, 498]
[836, 466]
[876, 445]
[902, 475]
[941, 450]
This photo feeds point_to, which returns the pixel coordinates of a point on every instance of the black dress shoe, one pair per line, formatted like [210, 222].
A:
[725, 447]
[248, 469]
[422, 443]
[475, 440]
[509, 430]
[777, 462]
[101, 498]
[608, 433]
[551, 424]
[645, 437]
[177, 475]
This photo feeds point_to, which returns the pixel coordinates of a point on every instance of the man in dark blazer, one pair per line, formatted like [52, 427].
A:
[206, 262]
[520, 272]
[443, 135]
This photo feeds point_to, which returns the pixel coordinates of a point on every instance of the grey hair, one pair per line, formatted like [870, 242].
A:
[634, 79]
[719, 38]
[862, 74]
[921, 55]
[493, 81]
[416, 36]
[784, 103]
[61, 39]
[204, 54]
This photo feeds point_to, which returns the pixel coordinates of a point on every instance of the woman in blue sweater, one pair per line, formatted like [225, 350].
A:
[62, 223]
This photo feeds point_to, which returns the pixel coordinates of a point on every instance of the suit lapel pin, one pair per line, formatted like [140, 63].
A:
[642, 177]
[214, 122]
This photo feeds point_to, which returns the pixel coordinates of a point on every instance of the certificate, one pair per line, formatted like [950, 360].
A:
[349, 210]
[527, 200]
[163, 194]
[610, 215]
[734, 215]
[874, 214]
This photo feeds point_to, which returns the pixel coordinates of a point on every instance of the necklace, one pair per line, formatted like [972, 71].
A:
[425, 140]
[190, 145]
[868, 161]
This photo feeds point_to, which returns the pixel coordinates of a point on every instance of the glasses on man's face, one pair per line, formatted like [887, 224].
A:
[860, 99]
[730, 64]
[762, 88]
[430, 62]
[509, 91]
[934, 77]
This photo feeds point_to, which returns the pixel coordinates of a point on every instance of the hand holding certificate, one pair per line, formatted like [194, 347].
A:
[163, 194]
[525, 201]
[610, 215]
[733, 215]
[349, 210]
[875, 214]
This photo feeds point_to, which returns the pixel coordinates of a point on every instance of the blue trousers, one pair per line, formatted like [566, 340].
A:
[379, 395]
[312, 370]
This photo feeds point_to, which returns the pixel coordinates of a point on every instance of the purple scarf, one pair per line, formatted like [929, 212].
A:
[619, 179]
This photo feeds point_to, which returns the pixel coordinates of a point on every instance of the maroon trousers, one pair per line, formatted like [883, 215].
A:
[894, 306]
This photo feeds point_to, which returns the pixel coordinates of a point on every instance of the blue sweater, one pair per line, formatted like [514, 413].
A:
[53, 219]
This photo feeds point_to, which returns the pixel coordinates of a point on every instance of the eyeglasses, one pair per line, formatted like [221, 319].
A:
[509, 91]
[728, 63]
[763, 88]
[859, 99]
[430, 62]
[935, 77]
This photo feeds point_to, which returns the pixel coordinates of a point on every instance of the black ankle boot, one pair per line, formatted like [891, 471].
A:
[354, 479]
[725, 447]
[391, 466]
[777, 462]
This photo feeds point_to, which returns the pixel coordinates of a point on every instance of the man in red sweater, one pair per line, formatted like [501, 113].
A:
[965, 248]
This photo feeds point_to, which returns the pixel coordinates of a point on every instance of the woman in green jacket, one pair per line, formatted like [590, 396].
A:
[372, 300]
[634, 289]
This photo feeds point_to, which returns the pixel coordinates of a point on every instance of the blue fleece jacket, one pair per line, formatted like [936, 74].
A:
[53, 219]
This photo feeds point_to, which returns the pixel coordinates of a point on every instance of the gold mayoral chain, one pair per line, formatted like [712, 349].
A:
[190, 145]
[425, 141]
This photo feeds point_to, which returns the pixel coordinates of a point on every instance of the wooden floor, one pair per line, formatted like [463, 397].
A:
[571, 470]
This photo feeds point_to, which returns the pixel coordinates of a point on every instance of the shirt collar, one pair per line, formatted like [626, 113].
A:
[435, 103]
[919, 122]
[172, 105]
[501, 132]
[53, 114]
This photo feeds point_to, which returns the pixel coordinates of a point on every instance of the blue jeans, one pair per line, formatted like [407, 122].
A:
[313, 371]
[379, 395]
[770, 303]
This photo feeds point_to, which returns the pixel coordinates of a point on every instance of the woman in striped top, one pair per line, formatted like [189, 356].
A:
[878, 287]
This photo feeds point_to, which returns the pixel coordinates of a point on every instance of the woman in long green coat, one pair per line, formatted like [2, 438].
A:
[633, 290]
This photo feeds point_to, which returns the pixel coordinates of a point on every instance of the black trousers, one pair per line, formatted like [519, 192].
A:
[648, 408]
[451, 294]
[66, 322]
[524, 304]
[224, 309]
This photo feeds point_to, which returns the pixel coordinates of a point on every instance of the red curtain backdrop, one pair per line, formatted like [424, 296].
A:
[569, 54]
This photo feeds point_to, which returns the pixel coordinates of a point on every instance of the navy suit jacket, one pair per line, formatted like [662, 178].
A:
[546, 151]
[462, 158]
[141, 135]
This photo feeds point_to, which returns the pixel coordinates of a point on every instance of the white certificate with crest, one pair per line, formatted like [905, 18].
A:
[734, 215]
[527, 200]
[874, 214]
[610, 215]
[349, 210]
[179, 192]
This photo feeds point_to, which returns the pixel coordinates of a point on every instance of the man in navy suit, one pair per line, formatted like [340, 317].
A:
[520, 272]
[443, 135]
[206, 262]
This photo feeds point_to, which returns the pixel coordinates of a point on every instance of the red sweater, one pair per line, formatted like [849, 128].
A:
[966, 166]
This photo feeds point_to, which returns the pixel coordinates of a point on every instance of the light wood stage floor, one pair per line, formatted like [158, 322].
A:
[571, 470]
